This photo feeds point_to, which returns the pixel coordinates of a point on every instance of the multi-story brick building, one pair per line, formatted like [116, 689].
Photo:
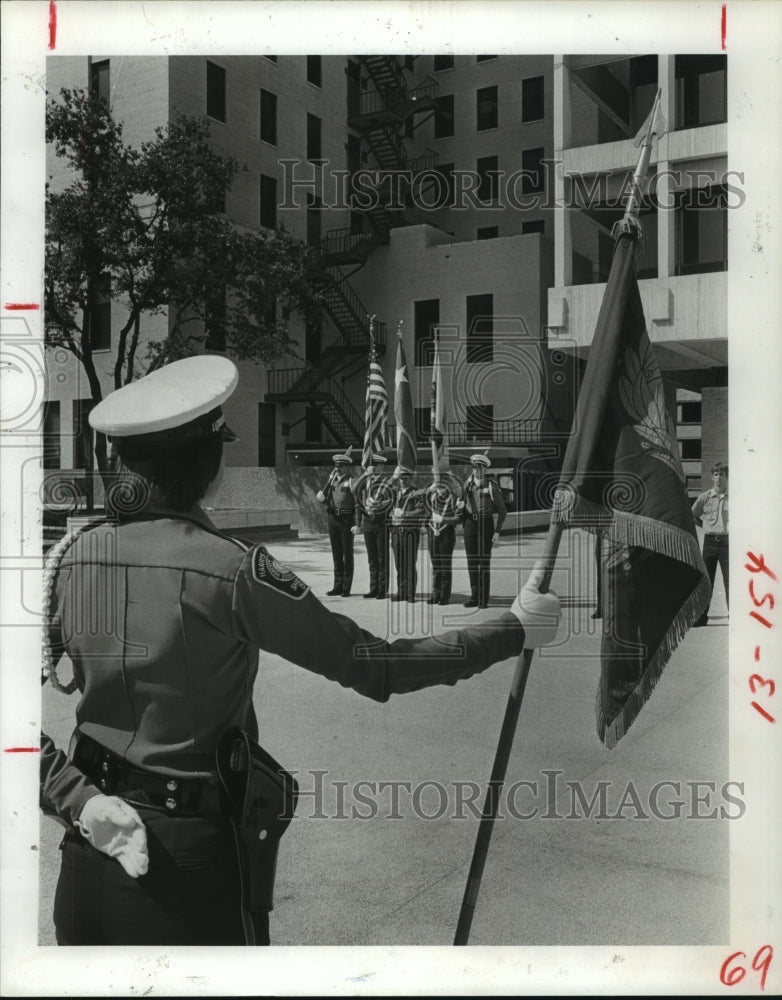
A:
[436, 189]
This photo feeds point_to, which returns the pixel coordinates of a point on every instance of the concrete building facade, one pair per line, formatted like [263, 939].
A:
[475, 194]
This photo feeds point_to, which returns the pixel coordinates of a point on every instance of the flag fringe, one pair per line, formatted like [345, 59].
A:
[610, 731]
[632, 529]
[648, 533]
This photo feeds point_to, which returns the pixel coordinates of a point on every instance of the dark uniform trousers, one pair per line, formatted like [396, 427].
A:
[376, 541]
[441, 553]
[190, 895]
[716, 550]
[341, 539]
[404, 544]
[477, 546]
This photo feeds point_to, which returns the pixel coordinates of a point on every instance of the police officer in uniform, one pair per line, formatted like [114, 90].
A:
[339, 496]
[374, 499]
[482, 502]
[441, 530]
[165, 663]
[407, 516]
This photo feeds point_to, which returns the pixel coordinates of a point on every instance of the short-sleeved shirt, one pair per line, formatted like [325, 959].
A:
[712, 508]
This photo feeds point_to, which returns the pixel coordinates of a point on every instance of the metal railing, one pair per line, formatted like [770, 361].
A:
[345, 241]
[280, 380]
[343, 403]
[426, 161]
[360, 312]
[501, 432]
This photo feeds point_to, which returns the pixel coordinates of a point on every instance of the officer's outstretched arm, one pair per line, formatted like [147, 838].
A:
[291, 622]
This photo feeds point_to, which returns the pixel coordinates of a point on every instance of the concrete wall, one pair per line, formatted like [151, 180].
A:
[714, 421]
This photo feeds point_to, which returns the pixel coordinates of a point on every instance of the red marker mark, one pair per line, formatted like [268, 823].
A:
[21, 305]
[724, 26]
[22, 750]
[757, 653]
[763, 712]
[53, 24]
[761, 619]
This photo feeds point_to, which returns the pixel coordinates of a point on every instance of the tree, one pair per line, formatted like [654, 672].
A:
[145, 227]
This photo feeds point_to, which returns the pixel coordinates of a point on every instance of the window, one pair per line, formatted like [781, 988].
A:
[51, 434]
[534, 178]
[313, 338]
[100, 314]
[409, 62]
[314, 70]
[538, 226]
[701, 90]
[643, 89]
[268, 201]
[690, 412]
[702, 231]
[480, 421]
[443, 117]
[214, 319]
[486, 108]
[83, 442]
[215, 91]
[314, 206]
[487, 233]
[691, 449]
[480, 328]
[314, 148]
[532, 99]
[423, 424]
[443, 62]
[427, 316]
[484, 58]
[267, 419]
[313, 428]
[269, 117]
[100, 80]
[488, 179]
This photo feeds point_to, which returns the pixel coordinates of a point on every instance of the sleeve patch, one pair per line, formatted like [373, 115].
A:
[273, 574]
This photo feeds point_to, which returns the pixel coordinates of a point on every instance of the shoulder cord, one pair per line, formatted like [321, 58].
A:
[51, 568]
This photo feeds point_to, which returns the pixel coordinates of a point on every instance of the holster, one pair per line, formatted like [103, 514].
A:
[261, 797]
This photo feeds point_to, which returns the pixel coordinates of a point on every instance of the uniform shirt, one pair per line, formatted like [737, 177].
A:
[375, 499]
[484, 499]
[442, 508]
[163, 616]
[407, 509]
[711, 508]
[339, 494]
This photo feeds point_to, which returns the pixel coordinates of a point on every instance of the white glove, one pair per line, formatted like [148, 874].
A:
[436, 518]
[115, 828]
[538, 613]
[495, 537]
[320, 495]
[460, 504]
[354, 529]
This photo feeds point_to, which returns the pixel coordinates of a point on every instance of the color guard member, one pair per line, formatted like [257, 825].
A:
[339, 496]
[374, 498]
[482, 503]
[168, 840]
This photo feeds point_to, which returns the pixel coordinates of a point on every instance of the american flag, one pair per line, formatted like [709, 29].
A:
[376, 430]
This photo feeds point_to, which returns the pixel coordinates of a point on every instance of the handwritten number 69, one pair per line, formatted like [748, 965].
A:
[732, 973]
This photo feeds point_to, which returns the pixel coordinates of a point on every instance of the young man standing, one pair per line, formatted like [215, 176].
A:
[711, 511]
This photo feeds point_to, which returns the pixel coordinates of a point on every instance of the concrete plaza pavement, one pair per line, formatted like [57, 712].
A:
[371, 864]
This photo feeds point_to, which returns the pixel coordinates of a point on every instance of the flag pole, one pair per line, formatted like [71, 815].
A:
[519, 682]
[435, 463]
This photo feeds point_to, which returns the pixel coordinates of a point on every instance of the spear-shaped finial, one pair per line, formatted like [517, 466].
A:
[399, 329]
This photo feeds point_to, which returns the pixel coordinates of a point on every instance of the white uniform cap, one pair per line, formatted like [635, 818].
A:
[173, 405]
[342, 459]
[480, 460]
[379, 458]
